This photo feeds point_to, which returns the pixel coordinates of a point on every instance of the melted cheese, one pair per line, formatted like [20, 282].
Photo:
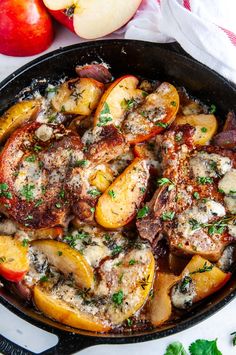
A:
[228, 183]
[209, 165]
[44, 133]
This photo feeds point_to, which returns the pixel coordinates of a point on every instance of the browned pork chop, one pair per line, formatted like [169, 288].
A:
[33, 167]
[196, 200]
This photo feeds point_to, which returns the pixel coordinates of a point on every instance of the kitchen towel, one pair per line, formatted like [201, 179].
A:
[206, 29]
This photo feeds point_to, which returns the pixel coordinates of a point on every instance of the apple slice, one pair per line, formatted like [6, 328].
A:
[199, 279]
[118, 204]
[61, 311]
[78, 96]
[114, 103]
[14, 262]
[16, 115]
[67, 260]
[155, 114]
[160, 305]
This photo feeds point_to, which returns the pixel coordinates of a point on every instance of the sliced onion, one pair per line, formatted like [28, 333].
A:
[226, 139]
[95, 71]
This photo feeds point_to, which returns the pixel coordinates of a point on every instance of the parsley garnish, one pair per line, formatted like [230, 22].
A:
[112, 194]
[118, 297]
[212, 109]
[132, 262]
[2, 259]
[143, 189]
[25, 242]
[203, 180]
[175, 348]
[61, 194]
[37, 148]
[129, 322]
[184, 285]
[196, 195]
[161, 124]
[59, 252]
[116, 250]
[94, 192]
[27, 192]
[204, 129]
[202, 347]
[164, 181]
[128, 104]
[173, 103]
[92, 209]
[81, 163]
[143, 212]
[105, 116]
[168, 215]
[4, 191]
[58, 205]
[31, 158]
[44, 278]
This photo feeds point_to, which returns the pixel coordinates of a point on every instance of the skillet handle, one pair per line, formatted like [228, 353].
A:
[68, 343]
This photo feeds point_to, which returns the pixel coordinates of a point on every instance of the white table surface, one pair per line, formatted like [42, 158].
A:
[218, 326]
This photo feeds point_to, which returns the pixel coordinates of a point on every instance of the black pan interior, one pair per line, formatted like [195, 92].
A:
[149, 60]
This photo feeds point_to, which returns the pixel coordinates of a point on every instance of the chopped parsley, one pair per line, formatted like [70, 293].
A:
[143, 189]
[29, 217]
[37, 148]
[221, 191]
[31, 158]
[27, 192]
[204, 180]
[116, 250]
[92, 209]
[44, 278]
[62, 194]
[94, 192]
[4, 191]
[212, 109]
[161, 124]
[194, 224]
[81, 163]
[25, 242]
[128, 104]
[204, 129]
[168, 215]
[105, 116]
[132, 262]
[179, 136]
[59, 253]
[118, 297]
[165, 181]
[196, 195]
[3, 259]
[185, 283]
[143, 212]
[51, 89]
[129, 322]
[112, 194]
[58, 205]
[173, 103]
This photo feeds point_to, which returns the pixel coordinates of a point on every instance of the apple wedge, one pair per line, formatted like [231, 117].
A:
[14, 262]
[94, 18]
[205, 126]
[155, 114]
[160, 305]
[119, 203]
[120, 95]
[78, 96]
[16, 115]
[199, 279]
[61, 311]
[67, 260]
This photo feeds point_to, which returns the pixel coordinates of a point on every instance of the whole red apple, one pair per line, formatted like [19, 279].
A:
[25, 27]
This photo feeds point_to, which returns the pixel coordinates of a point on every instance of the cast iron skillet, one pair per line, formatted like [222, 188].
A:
[151, 61]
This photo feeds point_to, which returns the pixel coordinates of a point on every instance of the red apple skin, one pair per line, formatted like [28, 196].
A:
[12, 275]
[64, 19]
[25, 26]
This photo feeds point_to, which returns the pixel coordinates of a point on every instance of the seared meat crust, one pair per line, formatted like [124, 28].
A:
[189, 205]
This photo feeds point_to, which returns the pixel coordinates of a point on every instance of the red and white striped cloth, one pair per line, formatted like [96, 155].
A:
[206, 29]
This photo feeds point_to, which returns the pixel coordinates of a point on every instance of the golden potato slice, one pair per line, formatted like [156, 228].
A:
[117, 99]
[67, 260]
[160, 306]
[119, 203]
[61, 311]
[78, 96]
[205, 125]
[16, 115]
[14, 261]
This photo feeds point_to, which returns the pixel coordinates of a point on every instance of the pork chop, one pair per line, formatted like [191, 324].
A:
[195, 202]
